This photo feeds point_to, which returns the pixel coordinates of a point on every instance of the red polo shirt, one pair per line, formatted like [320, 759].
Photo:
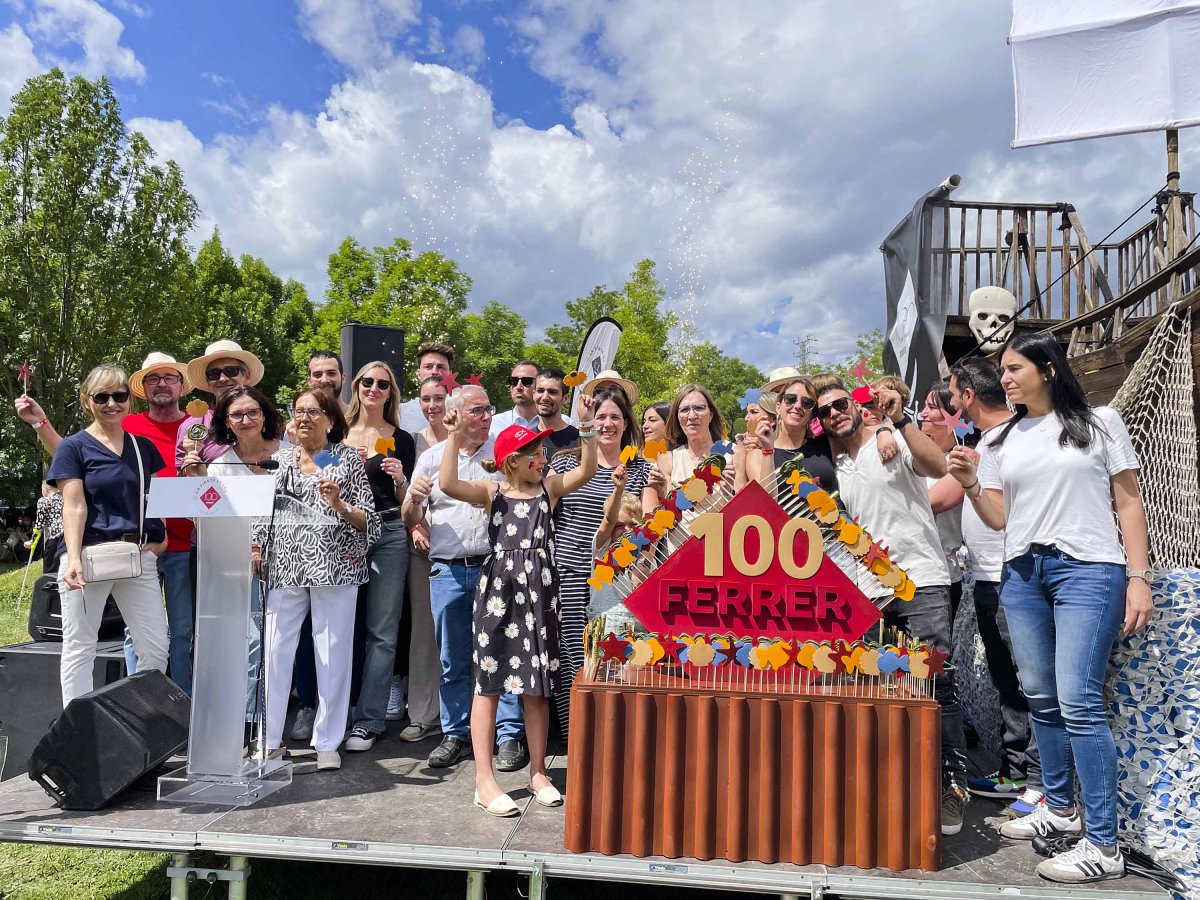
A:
[162, 435]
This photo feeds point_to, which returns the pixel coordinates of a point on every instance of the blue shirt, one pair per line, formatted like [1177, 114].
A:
[110, 485]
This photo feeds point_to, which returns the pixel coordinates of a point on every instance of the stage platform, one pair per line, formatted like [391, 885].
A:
[386, 807]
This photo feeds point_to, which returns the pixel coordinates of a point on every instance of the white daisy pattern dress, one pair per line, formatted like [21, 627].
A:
[515, 617]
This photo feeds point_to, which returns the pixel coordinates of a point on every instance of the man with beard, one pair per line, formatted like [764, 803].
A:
[892, 500]
[549, 395]
[325, 373]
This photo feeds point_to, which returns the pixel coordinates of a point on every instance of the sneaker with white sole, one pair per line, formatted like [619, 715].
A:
[328, 760]
[302, 728]
[1041, 823]
[1026, 803]
[954, 801]
[1083, 863]
[996, 786]
[360, 739]
[397, 707]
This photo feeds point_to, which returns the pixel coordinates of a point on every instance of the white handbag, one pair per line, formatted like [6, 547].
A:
[119, 560]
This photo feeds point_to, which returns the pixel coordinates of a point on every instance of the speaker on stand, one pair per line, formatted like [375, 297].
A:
[362, 344]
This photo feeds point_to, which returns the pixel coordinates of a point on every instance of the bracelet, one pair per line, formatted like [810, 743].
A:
[902, 422]
[345, 516]
[885, 429]
[587, 435]
[37, 425]
[770, 452]
[971, 485]
[413, 529]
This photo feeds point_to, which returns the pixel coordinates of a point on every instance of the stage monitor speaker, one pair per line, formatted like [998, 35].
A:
[31, 696]
[106, 740]
[362, 344]
[45, 613]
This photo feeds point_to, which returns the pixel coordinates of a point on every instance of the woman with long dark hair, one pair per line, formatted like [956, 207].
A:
[1052, 477]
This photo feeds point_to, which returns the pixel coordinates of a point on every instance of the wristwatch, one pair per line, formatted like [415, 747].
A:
[1144, 574]
[901, 422]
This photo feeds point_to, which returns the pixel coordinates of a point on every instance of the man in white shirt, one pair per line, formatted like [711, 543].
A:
[458, 546]
[975, 389]
[433, 358]
[892, 500]
[524, 410]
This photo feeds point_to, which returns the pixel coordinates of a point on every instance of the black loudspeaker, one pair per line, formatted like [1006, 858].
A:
[362, 344]
[31, 698]
[106, 740]
[45, 613]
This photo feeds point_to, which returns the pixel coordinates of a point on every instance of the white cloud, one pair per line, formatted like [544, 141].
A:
[94, 29]
[759, 152]
[17, 62]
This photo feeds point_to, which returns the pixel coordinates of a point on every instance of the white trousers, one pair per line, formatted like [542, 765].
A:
[141, 603]
[333, 644]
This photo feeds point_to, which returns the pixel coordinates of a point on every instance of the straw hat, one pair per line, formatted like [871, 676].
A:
[780, 378]
[154, 361]
[612, 376]
[197, 369]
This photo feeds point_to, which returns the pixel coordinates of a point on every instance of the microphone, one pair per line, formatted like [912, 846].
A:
[269, 464]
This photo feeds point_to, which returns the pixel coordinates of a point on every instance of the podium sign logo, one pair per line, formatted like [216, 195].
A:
[753, 571]
[211, 497]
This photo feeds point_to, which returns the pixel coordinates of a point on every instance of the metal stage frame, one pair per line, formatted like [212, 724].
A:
[386, 807]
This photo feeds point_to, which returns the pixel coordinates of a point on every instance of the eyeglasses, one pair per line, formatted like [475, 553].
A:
[114, 396]
[693, 410]
[152, 380]
[384, 384]
[805, 402]
[480, 411]
[228, 371]
[841, 404]
[305, 413]
[250, 415]
[523, 380]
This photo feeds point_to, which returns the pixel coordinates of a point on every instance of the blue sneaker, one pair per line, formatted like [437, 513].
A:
[997, 787]
[1030, 799]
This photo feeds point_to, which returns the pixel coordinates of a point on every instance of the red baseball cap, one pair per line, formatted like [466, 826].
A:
[513, 438]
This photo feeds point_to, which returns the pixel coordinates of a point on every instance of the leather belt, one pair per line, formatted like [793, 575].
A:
[471, 562]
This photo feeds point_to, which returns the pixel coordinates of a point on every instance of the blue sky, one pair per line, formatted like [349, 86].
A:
[757, 152]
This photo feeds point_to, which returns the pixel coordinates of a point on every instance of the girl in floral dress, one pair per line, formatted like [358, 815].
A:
[515, 619]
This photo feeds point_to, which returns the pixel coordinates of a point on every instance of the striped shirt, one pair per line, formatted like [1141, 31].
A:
[579, 513]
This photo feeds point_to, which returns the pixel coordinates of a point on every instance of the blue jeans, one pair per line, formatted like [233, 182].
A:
[174, 571]
[1063, 615]
[452, 588]
[380, 603]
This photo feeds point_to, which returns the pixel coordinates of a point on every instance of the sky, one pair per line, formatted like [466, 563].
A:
[758, 151]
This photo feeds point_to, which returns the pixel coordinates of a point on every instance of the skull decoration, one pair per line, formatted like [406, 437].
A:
[993, 316]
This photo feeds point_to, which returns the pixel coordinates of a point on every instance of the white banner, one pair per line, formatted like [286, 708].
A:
[1088, 68]
[597, 354]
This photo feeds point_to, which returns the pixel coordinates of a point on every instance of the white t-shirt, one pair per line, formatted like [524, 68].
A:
[985, 546]
[949, 528]
[1060, 495]
[412, 419]
[891, 501]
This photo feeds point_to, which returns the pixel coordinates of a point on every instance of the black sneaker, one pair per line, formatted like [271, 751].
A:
[954, 799]
[448, 753]
[512, 756]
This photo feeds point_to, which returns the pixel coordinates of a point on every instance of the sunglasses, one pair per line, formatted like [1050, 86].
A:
[841, 404]
[228, 371]
[523, 380]
[152, 380]
[384, 384]
[114, 396]
[807, 403]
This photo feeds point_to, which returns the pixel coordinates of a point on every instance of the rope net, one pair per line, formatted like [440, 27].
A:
[1157, 404]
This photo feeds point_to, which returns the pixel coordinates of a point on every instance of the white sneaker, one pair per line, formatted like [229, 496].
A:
[1041, 823]
[302, 728]
[397, 707]
[328, 759]
[360, 739]
[1083, 863]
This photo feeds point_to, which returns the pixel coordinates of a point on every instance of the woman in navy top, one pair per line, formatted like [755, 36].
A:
[97, 471]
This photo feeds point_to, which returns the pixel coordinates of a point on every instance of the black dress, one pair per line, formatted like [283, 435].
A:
[515, 617]
[818, 461]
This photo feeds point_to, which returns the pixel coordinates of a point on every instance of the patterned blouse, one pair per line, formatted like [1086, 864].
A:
[322, 554]
[49, 516]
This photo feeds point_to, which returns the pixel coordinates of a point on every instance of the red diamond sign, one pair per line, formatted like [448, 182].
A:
[754, 571]
[210, 497]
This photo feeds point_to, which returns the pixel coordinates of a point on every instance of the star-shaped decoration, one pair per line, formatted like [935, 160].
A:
[710, 475]
[937, 661]
[877, 551]
[725, 652]
[670, 503]
[450, 381]
[475, 379]
[671, 648]
[952, 421]
[24, 373]
[861, 371]
[752, 395]
[725, 448]
[613, 648]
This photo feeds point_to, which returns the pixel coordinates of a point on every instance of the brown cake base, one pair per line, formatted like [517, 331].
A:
[842, 781]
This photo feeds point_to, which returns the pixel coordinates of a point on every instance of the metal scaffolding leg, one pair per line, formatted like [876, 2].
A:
[537, 882]
[237, 886]
[179, 883]
[475, 890]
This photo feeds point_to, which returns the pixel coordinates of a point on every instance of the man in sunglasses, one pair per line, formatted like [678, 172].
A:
[892, 500]
[224, 366]
[524, 409]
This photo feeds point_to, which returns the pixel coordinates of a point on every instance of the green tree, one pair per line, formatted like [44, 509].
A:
[726, 377]
[93, 256]
[490, 343]
[868, 348]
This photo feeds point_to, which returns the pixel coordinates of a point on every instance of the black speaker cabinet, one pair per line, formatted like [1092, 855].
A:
[106, 740]
[45, 613]
[31, 698]
[362, 344]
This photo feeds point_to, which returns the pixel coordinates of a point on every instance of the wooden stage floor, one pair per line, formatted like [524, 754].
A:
[386, 807]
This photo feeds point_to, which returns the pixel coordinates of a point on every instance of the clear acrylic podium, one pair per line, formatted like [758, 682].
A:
[223, 509]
